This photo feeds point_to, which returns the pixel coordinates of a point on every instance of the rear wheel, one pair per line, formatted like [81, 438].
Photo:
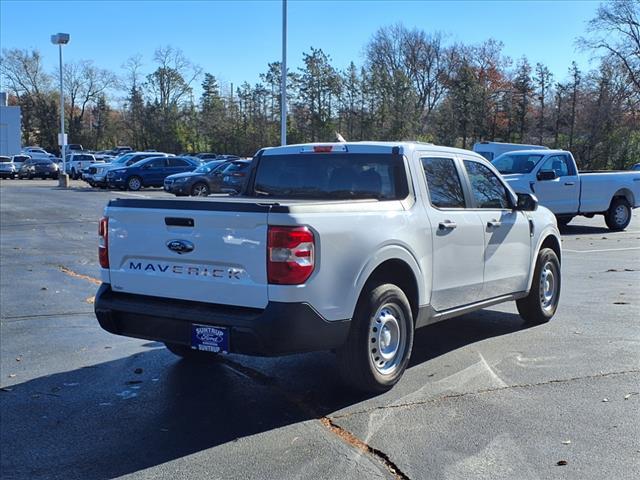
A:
[188, 353]
[540, 305]
[619, 214]
[377, 350]
[134, 183]
[200, 190]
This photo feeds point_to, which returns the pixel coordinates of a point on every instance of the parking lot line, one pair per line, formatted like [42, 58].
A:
[600, 250]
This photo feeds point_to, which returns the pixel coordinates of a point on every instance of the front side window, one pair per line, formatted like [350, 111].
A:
[517, 163]
[445, 189]
[488, 191]
[558, 164]
[156, 163]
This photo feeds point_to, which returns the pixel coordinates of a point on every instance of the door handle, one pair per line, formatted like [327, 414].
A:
[569, 183]
[447, 225]
[494, 224]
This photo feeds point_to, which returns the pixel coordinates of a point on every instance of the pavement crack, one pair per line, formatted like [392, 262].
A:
[482, 392]
[350, 439]
[73, 274]
[311, 411]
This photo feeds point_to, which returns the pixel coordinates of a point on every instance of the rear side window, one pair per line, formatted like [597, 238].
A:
[178, 162]
[488, 191]
[332, 176]
[445, 188]
[236, 167]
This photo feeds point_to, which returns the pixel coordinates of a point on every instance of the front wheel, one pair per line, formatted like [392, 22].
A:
[190, 354]
[619, 214]
[134, 183]
[540, 305]
[377, 350]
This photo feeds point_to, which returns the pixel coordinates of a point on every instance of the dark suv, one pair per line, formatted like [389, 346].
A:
[150, 172]
[218, 176]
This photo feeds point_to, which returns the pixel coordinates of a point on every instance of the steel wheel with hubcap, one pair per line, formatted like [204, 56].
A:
[387, 338]
[378, 347]
[619, 214]
[134, 183]
[541, 303]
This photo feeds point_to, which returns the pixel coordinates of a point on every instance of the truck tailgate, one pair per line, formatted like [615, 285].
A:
[203, 251]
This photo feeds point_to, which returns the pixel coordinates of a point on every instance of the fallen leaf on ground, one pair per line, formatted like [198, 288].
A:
[561, 463]
[566, 442]
[12, 375]
[629, 395]
[132, 382]
[605, 400]
[138, 371]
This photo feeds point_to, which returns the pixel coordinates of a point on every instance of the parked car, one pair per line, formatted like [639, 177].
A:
[199, 182]
[77, 162]
[636, 167]
[96, 174]
[120, 150]
[206, 156]
[232, 177]
[150, 172]
[347, 247]
[7, 168]
[18, 160]
[552, 175]
[104, 155]
[491, 150]
[36, 152]
[71, 148]
[39, 167]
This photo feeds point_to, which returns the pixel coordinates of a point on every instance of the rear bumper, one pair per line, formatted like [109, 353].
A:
[279, 329]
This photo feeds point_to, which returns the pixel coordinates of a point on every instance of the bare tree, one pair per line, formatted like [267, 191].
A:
[85, 84]
[616, 31]
[543, 78]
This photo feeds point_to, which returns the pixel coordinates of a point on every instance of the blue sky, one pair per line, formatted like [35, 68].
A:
[235, 40]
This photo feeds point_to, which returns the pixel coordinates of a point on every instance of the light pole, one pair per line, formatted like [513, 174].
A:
[61, 39]
[283, 80]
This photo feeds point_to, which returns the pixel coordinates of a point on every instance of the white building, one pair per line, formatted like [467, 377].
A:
[10, 121]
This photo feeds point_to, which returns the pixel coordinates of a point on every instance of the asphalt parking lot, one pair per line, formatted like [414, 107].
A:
[484, 397]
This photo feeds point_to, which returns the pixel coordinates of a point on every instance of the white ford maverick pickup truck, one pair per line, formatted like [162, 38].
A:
[346, 246]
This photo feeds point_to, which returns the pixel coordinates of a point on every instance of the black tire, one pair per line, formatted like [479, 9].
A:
[200, 189]
[134, 183]
[538, 307]
[357, 357]
[618, 216]
[186, 352]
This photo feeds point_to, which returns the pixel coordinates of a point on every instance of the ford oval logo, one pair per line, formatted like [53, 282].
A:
[180, 246]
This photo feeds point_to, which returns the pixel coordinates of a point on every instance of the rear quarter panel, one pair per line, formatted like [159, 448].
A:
[351, 245]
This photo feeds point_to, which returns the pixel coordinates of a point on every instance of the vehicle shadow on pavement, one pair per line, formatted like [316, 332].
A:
[583, 230]
[106, 420]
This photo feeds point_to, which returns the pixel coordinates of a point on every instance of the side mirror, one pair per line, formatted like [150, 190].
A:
[527, 202]
[547, 175]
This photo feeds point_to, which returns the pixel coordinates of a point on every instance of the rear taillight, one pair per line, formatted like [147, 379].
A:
[290, 255]
[103, 248]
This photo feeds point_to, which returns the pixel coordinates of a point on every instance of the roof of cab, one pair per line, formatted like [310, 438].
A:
[535, 152]
[370, 147]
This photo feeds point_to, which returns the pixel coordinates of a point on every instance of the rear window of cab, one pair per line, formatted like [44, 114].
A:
[333, 176]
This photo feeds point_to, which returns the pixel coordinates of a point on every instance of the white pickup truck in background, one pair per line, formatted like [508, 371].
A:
[345, 246]
[552, 175]
[77, 162]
